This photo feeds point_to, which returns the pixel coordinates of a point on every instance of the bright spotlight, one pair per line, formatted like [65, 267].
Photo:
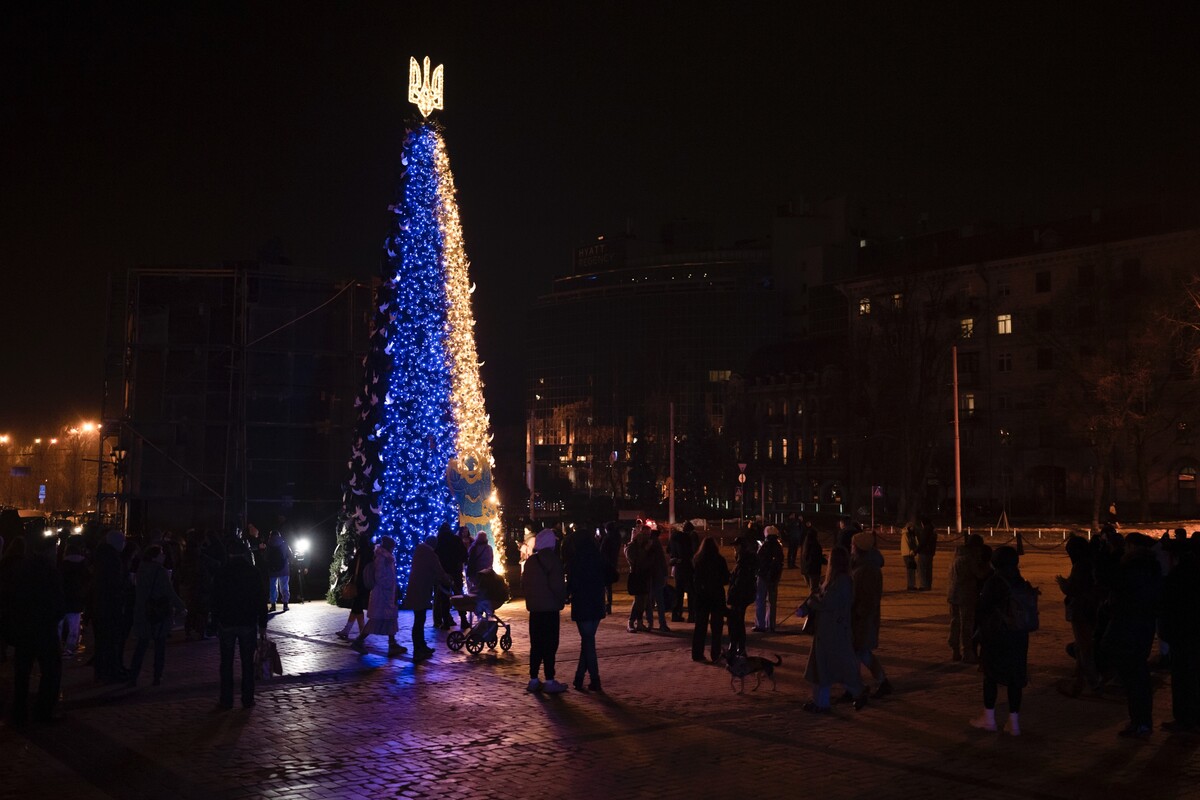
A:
[302, 545]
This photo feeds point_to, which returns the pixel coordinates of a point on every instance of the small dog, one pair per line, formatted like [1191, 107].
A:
[740, 665]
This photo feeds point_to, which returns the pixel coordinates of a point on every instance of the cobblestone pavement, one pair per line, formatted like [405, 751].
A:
[339, 725]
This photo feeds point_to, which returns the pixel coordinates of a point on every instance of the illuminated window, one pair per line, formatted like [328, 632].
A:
[783, 453]
[770, 449]
[966, 404]
[966, 328]
[1003, 323]
[864, 306]
[718, 375]
[834, 451]
[897, 300]
[1004, 362]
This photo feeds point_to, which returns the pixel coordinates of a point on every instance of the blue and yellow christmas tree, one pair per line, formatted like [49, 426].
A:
[423, 455]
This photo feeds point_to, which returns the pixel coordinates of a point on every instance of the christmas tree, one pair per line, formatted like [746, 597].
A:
[422, 453]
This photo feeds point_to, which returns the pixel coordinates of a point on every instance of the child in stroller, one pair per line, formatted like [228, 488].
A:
[492, 593]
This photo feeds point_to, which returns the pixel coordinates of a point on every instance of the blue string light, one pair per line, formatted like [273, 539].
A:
[417, 432]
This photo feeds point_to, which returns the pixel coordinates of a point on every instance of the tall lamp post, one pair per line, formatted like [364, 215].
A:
[119, 456]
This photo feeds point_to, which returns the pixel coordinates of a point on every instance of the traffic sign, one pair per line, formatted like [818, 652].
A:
[742, 478]
[877, 492]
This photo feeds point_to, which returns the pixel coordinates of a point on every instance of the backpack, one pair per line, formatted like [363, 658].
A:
[1020, 612]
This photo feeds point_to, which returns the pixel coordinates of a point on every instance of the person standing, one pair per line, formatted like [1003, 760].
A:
[1082, 596]
[926, 548]
[610, 550]
[709, 577]
[794, 532]
[32, 608]
[1181, 625]
[967, 573]
[279, 569]
[812, 555]
[586, 577]
[768, 573]
[909, 545]
[452, 555]
[424, 578]
[832, 658]
[681, 553]
[1003, 651]
[109, 589]
[638, 583]
[155, 600]
[382, 614]
[743, 584]
[658, 571]
[1136, 591]
[76, 577]
[479, 557]
[865, 612]
[545, 593]
[239, 609]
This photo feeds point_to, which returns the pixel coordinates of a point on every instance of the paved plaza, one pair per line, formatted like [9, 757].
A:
[340, 725]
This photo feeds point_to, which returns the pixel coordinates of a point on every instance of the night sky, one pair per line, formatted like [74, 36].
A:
[191, 134]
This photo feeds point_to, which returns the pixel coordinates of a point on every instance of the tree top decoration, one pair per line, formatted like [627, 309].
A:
[424, 87]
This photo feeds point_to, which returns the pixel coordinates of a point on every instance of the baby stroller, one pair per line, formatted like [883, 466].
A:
[492, 592]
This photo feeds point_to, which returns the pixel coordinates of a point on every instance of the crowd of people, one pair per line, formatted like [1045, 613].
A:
[1123, 593]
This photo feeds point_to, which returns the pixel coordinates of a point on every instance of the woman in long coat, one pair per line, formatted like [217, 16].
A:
[709, 578]
[811, 556]
[382, 613]
[424, 577]
[154, 590]
[832, 658]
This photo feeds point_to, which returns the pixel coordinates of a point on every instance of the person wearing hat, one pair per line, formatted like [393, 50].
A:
[769, 571]
[239, 608]
[867, 575]
[545, 591]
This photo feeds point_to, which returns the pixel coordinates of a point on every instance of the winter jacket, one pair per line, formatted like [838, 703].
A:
[239, 598]
[426, 574]
[967, 573]
[585, 581]
[865, 612]
[278, 565]
[770, 560]
[1003, 653]
[709, 578]
[382, 603]
[1136, 595]
[832, 658]
[542, 581]
[153, 582]
[812, 555]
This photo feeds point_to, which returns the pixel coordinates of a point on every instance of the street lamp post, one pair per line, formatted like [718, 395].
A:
[120, 456]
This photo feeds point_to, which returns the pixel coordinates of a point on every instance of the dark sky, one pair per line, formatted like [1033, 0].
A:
[191, 134]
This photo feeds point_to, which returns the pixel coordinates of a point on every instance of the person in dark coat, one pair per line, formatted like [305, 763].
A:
[865, 613]
[31, 599]
[1136, 592]
[743, 585]
[1004, 653]
[681, 552]
[364, 554]
[452, 555]
[586, 577]
[710, 575]
[637, 553]
[812, 555]
[610, 550]
[152, 617]
[425, 576]
[110, 588]
[658, 570]
[968, 571]
[545, 591]
[1181, 627]
[76, 580]
[1082, 596]
[768, 574]
[926, 549]
[279, 569]
[239, 609]
[794, 534]
[832, 658]
[201, 560]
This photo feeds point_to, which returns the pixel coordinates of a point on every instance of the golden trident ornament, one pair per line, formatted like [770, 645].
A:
[425, 88]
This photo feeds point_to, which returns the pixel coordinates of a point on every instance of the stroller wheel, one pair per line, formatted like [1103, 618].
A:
[491, 643]
[474, 647]
[506, 642]
[455, 640]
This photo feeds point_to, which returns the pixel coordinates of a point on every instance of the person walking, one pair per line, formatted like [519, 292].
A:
[382, 614]
[360, 564]
[239, 610]
[586, 578]
[832, 658]
[1003, 650]
[768, 574]
[424, 578]
[545, 592]
[967, 573]
[76, 577]
[865, 613]
[710, 575]
[152, 612]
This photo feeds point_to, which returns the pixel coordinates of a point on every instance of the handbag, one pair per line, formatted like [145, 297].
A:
[266, 658]
[349, 591]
